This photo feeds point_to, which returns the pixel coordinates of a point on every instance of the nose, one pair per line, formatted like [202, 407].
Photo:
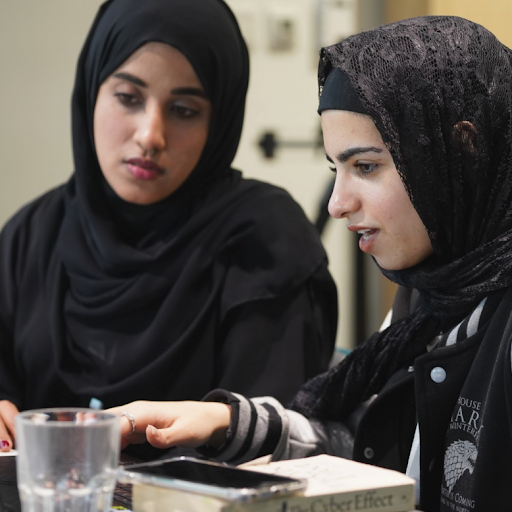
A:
[150, 133]
[344, 199]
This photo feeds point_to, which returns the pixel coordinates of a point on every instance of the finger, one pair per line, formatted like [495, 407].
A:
[142, 412]
[133, 439]
[124, 443]
[116, 410]
[171, 436]
[6, 444]
[157, 438]
[7, 429]
[126, 426]
[128, 436]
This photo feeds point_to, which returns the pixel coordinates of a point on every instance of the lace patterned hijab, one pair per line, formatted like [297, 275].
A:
[439, 90]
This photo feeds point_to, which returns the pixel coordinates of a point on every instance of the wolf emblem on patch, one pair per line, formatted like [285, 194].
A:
[459, 457]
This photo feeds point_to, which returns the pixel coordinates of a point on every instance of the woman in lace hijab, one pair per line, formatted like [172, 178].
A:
[417, 120]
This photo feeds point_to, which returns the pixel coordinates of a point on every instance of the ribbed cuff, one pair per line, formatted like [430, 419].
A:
[225, 397]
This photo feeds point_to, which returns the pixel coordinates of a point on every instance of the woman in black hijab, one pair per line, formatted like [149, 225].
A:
[157, 272]
[417, 121]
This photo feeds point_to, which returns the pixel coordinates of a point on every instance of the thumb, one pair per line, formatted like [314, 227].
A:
[170, 436]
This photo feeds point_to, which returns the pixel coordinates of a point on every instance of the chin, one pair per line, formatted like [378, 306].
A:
[137, 196]
[391, 265]
[398, 265]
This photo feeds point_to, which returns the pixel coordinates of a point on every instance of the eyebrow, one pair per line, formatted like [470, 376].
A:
[130, 78]
[188, 91]
[345, 155]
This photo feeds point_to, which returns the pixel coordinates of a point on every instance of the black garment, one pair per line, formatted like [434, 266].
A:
[338, 93]
[465, 421]
[439, 90]
[460, 394]
[224, 283]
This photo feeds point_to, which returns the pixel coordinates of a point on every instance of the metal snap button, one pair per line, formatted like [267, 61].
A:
[438, 374]
[368, 453]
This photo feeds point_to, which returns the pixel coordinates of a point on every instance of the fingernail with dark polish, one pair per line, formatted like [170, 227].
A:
[4, 444]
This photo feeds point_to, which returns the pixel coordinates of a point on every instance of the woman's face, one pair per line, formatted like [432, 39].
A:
[369, 193]
[151, 123]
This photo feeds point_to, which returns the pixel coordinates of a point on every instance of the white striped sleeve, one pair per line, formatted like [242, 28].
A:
[262, 426]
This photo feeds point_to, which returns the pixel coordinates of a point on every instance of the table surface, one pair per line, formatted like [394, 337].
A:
[9, 498]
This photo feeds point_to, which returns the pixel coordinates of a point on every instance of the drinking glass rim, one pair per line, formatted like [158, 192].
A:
[100, 417]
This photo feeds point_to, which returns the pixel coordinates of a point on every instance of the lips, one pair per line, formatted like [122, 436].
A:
[367, 240]
[368, 237]
[143, 169]
[366, 233]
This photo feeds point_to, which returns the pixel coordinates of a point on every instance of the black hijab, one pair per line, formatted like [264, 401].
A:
[136, 293]
[208, 35]
[439, 90]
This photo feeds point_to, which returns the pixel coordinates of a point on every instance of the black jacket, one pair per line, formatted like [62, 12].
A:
[465, 421]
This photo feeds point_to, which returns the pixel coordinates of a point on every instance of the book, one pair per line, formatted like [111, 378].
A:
[334, 485]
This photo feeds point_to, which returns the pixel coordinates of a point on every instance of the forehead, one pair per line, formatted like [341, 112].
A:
[160, 61]
[342, 129]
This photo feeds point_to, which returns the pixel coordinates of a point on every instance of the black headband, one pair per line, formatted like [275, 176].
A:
[339, 94]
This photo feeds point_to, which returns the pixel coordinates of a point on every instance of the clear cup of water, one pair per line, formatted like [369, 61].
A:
[67, 459]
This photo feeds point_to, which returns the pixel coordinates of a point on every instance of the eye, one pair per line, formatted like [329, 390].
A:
[128, 100]
[184, 112]
[366, 169]
[333, 169]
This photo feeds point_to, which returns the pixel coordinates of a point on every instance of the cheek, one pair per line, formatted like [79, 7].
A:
[415, 236]
[189, 143]
[383, 207]
[110, 129]
[397, 206]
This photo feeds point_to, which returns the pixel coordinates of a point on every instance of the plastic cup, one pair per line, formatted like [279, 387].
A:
[67, 459]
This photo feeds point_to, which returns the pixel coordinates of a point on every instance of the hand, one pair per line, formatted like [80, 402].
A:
[166, 424]
[7, 430]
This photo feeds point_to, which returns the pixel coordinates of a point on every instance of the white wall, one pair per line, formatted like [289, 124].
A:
[283, 98]
[41, 39]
